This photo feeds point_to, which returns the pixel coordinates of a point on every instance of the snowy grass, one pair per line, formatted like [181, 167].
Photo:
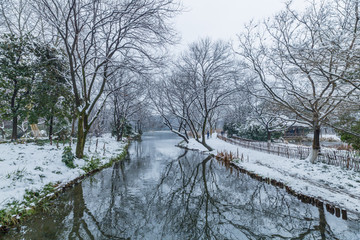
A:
[332, 184]
[29, 172]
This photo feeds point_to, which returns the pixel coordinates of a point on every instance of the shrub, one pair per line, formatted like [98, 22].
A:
[68, 157]
[16, 211]
[93, 164]
[350, 138]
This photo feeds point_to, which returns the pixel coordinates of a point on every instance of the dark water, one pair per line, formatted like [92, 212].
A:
[163, 192]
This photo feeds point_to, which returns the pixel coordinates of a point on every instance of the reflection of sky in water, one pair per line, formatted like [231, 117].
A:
[162, 145]
[162, 193]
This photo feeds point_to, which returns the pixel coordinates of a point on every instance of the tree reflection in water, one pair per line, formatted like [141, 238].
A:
[155, 196]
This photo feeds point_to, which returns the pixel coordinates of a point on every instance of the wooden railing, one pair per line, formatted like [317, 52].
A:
[343, 158]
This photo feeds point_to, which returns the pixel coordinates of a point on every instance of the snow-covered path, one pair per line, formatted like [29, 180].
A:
[331, 184]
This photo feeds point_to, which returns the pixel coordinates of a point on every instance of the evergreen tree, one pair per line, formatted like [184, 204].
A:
[17, 76]
[52, 96]
[350, 120]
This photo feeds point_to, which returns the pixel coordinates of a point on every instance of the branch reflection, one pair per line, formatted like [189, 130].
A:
[152, 195]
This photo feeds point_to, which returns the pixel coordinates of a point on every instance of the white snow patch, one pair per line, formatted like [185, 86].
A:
[31, 167]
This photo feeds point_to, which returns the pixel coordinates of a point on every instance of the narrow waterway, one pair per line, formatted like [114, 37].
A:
[164, 192]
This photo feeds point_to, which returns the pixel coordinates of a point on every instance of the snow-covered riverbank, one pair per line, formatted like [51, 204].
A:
[31, 167]
[331, 184]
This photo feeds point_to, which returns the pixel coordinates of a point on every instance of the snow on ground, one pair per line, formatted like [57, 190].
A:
[326, 137]
[30, 166]
[330, 137]
[330, 183]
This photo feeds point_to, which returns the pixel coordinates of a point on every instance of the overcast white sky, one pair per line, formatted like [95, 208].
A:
[223, 18]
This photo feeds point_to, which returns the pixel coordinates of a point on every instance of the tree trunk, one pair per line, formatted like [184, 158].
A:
[183, 136]
[322, 223]
[51, 127]
[14, 128]
[119, 135]
[79, 226]
[206, 145]
[121, 132]
[203, 138]
[268, 139]
[81, 137]
[2, 133]
[139, 128]
[268, 136]
[186, 134]
[316, 145]
[203, 142]
[73, 126]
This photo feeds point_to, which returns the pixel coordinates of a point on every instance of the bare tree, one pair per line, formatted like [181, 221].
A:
[210, 70]
[17, 18]
[173, 101]
[270, 118]
[96, 35]
[293, 55]
[203, 79]
[126, 100]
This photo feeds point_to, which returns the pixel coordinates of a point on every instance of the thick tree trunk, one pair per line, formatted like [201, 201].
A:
[14, 128]
[81, 137]
[268, 138]
[316, 145]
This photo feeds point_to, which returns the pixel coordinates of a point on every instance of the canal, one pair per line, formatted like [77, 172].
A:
[163, 192]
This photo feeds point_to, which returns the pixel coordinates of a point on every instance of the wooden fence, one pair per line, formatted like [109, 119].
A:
[343, 158]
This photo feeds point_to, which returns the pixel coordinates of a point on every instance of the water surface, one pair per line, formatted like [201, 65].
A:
[164, 192]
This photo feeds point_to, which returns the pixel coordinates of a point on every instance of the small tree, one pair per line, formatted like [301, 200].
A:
[349, 119]
[351, 138]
